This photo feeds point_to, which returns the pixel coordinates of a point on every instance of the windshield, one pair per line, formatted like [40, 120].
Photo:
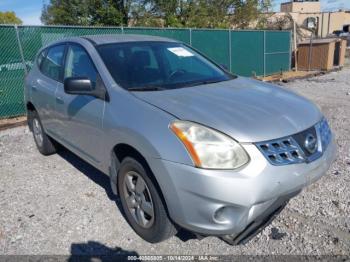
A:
[140, 66]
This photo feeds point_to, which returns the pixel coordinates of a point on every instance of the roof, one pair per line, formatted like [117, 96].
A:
[320, 41]
[122, 38]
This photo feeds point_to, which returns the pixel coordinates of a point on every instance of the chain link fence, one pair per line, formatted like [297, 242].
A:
[244, 53]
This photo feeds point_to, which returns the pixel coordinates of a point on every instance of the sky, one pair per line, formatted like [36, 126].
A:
[29, 11]
[326, 5]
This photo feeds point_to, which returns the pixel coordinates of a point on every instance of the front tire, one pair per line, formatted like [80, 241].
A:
[43, 142]
[141, 202]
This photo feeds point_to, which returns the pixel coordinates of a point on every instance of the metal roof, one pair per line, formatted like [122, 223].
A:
[320, 41]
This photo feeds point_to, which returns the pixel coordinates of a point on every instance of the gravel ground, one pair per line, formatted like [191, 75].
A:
[61, 205]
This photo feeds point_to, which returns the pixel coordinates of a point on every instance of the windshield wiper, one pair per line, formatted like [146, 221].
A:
[158, 88]
[146, 88]
[206, 82]
[212, 81]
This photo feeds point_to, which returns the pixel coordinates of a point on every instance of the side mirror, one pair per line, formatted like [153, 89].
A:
[82, 86]
[77, 85]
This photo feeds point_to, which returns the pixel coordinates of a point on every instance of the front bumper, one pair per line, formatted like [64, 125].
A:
[260, 222]
[226, 202]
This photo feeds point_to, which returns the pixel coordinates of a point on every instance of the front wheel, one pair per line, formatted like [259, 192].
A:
[141, 202]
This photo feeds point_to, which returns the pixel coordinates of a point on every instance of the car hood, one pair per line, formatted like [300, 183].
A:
[243, 108]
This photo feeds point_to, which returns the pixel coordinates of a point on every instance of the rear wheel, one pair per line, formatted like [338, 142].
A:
[45, 144]
[141, 202]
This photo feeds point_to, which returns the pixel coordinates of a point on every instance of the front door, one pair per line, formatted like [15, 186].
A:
[80, 115]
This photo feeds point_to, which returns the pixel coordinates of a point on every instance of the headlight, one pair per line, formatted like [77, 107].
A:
[209, 148]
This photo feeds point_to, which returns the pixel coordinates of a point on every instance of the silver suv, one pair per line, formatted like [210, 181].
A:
[186, 144]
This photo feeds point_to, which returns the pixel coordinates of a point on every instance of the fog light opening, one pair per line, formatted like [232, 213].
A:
[220, 215]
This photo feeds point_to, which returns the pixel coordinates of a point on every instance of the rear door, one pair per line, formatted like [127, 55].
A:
[43, 86]
[80, 125]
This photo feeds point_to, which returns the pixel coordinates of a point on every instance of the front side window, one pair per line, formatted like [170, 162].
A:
[165, 65]
[53, 63]
[79, 64]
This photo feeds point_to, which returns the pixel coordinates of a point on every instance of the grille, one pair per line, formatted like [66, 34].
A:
[325, 133]
[282, 151]
[292, 149]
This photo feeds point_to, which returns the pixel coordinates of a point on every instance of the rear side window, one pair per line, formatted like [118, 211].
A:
[52, 65]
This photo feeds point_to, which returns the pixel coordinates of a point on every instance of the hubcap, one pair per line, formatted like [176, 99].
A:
[138, 199]
[38, 132]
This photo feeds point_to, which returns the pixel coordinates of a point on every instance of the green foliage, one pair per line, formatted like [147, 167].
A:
[245, 12]
[65, 12]
[84, 12]
[108, 12]
[207, 13]
[200, 13]
[156, 13]
[265, 14]
[9, 18]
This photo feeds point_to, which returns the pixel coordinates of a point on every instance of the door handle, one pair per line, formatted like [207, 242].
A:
[34, 88]
[59, 100]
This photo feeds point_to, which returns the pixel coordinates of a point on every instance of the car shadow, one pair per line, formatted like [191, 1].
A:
[88, 170]
[185, 235]
[95, 251]
[103, 181]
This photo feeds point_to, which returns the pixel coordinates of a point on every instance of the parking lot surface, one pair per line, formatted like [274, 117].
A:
[61, 205]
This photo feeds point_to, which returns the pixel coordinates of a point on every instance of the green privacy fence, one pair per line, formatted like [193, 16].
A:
[245, 53]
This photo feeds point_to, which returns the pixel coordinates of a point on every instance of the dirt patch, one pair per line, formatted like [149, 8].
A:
[295, 75]
[12, 122]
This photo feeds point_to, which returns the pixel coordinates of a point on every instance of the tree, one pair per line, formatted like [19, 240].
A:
[265, 6]
[65, 12]
[199, 13]
[265, 14]
[85, 12]
[107, 12]
[244, 13]
[208, 13]
[157, 13]
[281, 22]
[9, 18]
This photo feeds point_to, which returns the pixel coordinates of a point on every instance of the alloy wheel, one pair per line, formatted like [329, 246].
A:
[38, 132]
[138, 199]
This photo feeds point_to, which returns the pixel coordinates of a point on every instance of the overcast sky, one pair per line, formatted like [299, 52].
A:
[29, 11]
